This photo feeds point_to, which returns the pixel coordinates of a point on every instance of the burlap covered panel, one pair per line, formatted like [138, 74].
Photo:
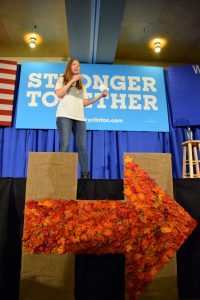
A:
[159, 167]
[52, 176]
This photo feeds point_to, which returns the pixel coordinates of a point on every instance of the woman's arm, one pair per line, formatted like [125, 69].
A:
[61, 92]
[87, 102]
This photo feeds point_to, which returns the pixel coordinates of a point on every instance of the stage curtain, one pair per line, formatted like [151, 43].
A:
[105, 148]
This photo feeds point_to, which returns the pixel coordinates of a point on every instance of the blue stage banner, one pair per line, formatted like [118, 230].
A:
[184, 91]
[136, 100]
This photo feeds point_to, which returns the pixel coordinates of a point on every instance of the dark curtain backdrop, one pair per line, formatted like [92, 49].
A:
[105, 148]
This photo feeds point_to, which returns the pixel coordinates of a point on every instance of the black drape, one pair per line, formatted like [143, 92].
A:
[187, 193]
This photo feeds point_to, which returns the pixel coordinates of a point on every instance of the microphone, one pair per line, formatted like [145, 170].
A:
[77, 73]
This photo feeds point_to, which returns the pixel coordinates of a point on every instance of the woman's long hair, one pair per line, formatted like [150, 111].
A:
[68, 74]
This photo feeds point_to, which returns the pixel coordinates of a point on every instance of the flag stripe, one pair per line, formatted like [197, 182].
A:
[8, 62]
[8, 67]
[4, 91]
[6, 107]
[5, 71]
[8, 76]
[5, 112]
[7, 86]
[5, 101]
[5, 118]
[6, 96]
[4, 123]
[7, 81]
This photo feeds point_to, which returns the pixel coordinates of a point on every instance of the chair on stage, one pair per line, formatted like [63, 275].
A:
[191, 160]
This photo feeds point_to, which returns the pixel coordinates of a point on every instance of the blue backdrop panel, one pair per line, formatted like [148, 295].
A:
[184, 91]
[136, 100]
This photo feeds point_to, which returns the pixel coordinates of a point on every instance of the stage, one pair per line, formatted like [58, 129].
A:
[96, 277]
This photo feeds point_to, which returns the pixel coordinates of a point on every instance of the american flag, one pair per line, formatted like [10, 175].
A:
[8, 71]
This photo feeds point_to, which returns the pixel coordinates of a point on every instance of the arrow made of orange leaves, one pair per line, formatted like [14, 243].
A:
[148, 227]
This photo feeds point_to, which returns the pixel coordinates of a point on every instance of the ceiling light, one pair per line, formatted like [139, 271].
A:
[32, 42]
[33, 39]
[157, 47]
